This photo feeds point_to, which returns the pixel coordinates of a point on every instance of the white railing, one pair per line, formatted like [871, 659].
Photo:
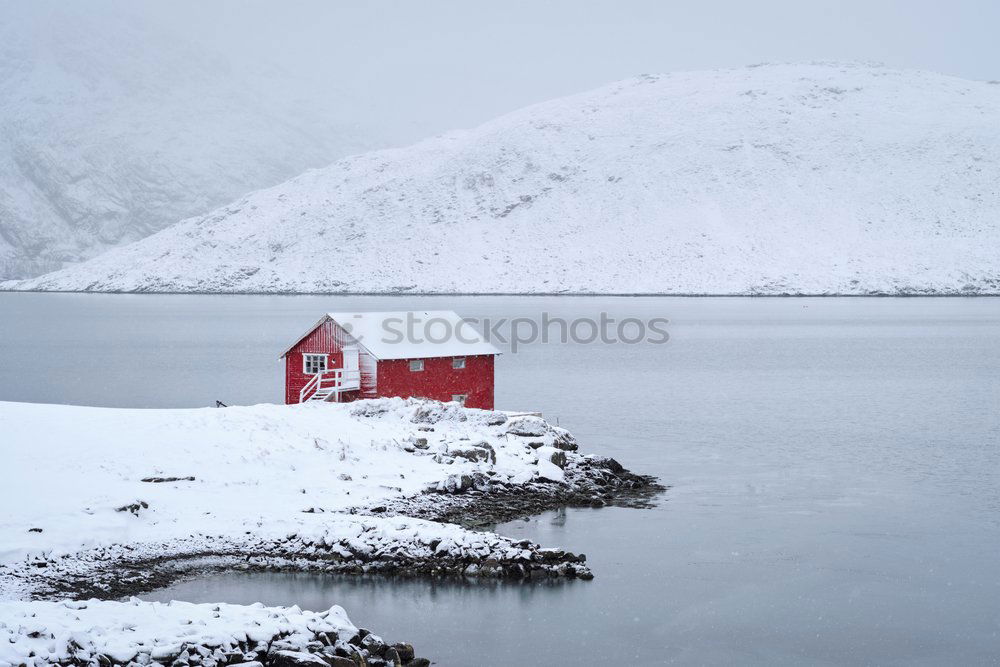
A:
[332, 382]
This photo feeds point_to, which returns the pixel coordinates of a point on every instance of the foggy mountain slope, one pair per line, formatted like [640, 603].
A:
[111, 129]
[819, 178]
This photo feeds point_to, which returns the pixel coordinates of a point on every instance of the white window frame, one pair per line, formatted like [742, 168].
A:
[458, 362]
[416, 365]
[460, 398]
[312, 356]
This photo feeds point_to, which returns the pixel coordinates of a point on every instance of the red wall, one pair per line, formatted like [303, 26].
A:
[439, 380]
[322, 340]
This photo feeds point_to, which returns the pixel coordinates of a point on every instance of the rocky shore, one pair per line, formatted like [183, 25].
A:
[390, 487]
[480, 501]
[180, 634]
[417, 542]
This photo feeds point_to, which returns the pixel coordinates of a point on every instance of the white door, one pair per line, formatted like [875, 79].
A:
[352, 375]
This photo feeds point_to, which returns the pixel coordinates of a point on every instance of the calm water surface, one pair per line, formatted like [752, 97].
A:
[835, 471]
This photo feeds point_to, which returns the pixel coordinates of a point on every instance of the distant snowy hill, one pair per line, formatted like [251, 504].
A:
[111, 129]
[820, 178]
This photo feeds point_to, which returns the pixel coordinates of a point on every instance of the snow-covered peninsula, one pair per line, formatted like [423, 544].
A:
[104, 503]
[799, 179]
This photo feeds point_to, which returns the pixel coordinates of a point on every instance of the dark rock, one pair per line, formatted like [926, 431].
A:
[564, 440]
[34, 530]
[182, 660]
[612, 465]
[374, 644]
[159, 480]
[405, 651]
[456, 484]
[556, 456]
[418, 662]
[391, 656]
[420, 443]
[527, 426]
[340, 661]
[481, 451]
[482, 444]
[480, 481]
[133, 507]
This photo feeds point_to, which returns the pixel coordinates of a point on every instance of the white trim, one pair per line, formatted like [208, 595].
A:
[458, 363]
[416, 361]
[323, 355]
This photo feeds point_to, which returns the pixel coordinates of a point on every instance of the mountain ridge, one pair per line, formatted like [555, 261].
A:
[819, 178]
[112, 128]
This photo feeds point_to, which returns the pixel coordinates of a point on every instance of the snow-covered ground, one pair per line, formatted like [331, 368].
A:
[814, 178]
[162, 482]
[78, 632]
[88, 490]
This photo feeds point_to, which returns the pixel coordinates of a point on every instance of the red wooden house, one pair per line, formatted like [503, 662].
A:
[347, 356]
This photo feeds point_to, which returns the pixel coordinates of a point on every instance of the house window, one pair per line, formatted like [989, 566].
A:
[313, 363]
[458, 362]
[416, 364]
[459, 398]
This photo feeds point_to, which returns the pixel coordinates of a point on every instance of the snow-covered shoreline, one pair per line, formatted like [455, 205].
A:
[106, 503]
[98, 632]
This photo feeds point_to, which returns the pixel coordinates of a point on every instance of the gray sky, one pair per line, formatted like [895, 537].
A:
[416, 68]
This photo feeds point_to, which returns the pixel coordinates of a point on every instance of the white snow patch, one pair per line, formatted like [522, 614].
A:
[550, 471]
[41, 633]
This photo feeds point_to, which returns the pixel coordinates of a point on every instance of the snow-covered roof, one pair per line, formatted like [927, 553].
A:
[415, 334]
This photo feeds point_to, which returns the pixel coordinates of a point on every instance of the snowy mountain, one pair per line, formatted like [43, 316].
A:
[112, 128]
[819, 178]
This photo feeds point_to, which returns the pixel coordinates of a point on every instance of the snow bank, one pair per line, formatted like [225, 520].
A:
[41, 633]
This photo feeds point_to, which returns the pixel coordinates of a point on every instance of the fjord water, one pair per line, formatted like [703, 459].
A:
[834, 468]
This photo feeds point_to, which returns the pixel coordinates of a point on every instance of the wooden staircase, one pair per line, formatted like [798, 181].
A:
[330, 385]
